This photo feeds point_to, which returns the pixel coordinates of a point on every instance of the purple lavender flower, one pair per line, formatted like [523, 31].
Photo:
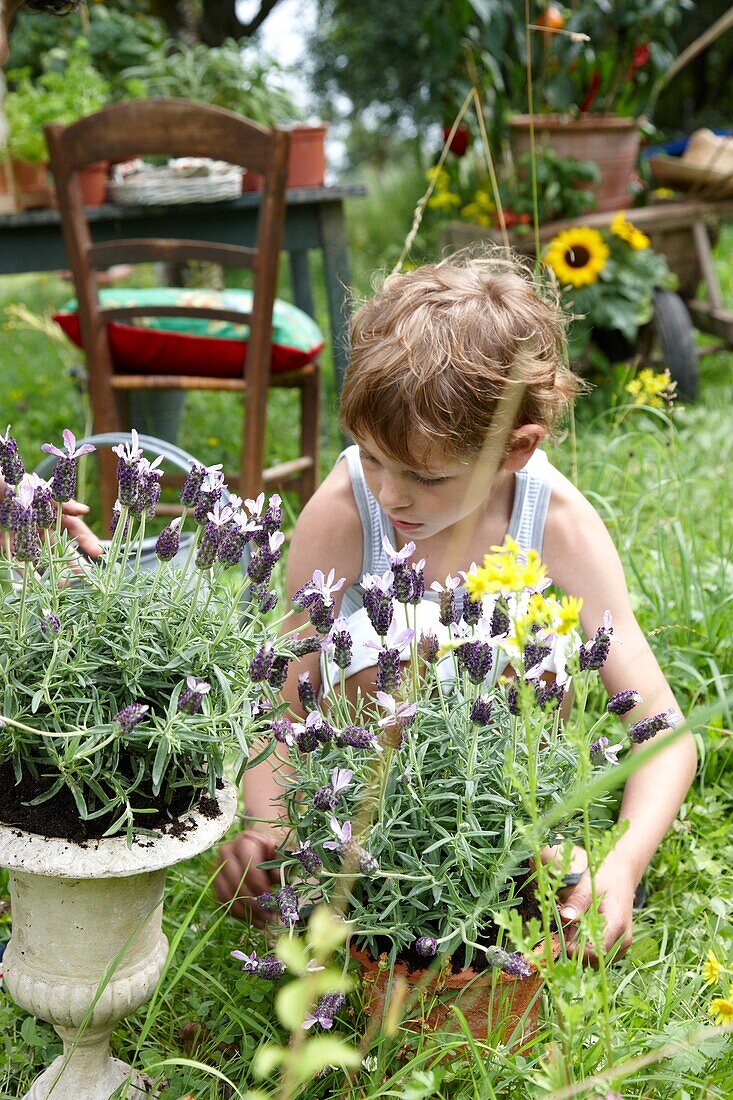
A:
[116, 516]
[267, 598]
[549, 695]
[426, 946]
[287, 903]
[261, 564]
[207, 547]
[340, 642]
[129, 716]
[321, 614]
[481, 710]
[534, 654]
[149, 491]
[593, 654]
[476, 659]
[63, 480]
[8, 507]
[472, 610]
[282, 729]
[268, 967]
[314, 732]
[512, 963]
[278, 672]
[317, 597]
[409, 580]
[323, 1014]
[194, 480]
[233, 540]
[307, 693]
[325, 799]
[378, 602]
[168, 542]
[343, 835]
[50, 624]
[649, 727]
[499, 618]
[356, 737]
[512, 700]
[398, 714]
[11, 465]
[272, 519]
[602, 749]
[192, 696]
[129, 457]
[389, 670]
[428, 648]
[447, 599]
[45, 515]
[27, 542]
[309, 860]
[267, 901]
[301, 647]
[209, 495]
[261, 664]
[623, 701]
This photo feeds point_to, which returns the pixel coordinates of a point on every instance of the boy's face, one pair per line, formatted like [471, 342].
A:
[437, 492]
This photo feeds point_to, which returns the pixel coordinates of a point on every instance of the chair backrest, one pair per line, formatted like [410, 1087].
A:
[173, 127]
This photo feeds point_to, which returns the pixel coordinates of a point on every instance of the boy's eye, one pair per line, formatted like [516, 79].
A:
[429, 480]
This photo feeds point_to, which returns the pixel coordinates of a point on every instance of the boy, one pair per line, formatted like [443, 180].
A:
[457, 374]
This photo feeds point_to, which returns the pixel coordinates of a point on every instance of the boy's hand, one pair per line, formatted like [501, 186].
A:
[241, 877]
[616, 886]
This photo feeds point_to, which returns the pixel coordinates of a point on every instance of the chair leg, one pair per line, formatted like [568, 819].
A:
[310, 428]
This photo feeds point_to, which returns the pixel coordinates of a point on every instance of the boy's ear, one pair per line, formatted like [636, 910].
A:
[523, 443]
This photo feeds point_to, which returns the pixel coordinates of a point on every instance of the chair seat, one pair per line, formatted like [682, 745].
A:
[192, 345]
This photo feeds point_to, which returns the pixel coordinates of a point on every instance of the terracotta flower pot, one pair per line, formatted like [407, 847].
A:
[77, 909]
[93, 181]
[488, 1005]
[609, 140]
[307, 161]
[29, 178]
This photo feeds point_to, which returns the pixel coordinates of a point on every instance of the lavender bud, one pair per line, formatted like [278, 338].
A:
[287, 903]
[307, 739]
[168, 542]
[593, 654]
[301, 647]
[128, 480]
[282, 729]
[367, 864]
[650, 727]
[232, 543]
[279, 672]
[129, 716]
[50, 624]
[380, 610]
[325, 798]
[267, 901]
[270, 968]
[597, 749]
[499, 618]
[481, 710]
[148, 494]
[623, 701]
[472, 610]
[27, 542]
[550, 696]
[448, 613]
[8, 506]
[426, 946]
[207, 498]
[304, 597]
[534, 654]
[10, 462]
[328, 1005]
[43, 506]
[116, 516]
[308, 859]
[342, 648]
[306, 693]
[512, 963]
[428, 648]
[321, 614]
[207, 548]
[512, 700]
[389, 670]
[192, 484]
[417, 576]
[63, 480]
[192, 696]
[476, 658]
[261, 565]
[402, 584]
[267, 599]
[356, 737]
[261, 663]
[270, 522]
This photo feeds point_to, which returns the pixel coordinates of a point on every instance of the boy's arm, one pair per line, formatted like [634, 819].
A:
[588, 565]
[327, 535]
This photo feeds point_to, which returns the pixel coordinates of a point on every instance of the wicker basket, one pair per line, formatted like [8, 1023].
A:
[180, 181]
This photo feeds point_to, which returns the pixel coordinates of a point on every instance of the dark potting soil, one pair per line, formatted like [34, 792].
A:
[59, 816]
[527, 908]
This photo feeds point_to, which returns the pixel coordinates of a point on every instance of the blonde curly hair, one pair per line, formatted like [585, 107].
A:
[437, 349]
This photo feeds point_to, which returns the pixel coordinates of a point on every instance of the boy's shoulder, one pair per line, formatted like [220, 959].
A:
[328, 533]
[576, 539]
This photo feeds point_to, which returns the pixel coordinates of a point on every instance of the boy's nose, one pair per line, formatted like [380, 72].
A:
[393, 493]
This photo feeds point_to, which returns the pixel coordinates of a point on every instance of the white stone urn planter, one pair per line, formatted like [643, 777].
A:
[80, 911]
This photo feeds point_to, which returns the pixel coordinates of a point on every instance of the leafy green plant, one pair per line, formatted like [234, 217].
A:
[125, 690]
[235, 75]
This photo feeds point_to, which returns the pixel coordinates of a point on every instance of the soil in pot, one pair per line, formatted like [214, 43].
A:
[59, 816]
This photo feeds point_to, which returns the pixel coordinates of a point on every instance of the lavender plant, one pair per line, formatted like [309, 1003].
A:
[124, 690]
[422, 810]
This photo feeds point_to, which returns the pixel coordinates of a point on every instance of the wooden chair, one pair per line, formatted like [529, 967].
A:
[176, 127]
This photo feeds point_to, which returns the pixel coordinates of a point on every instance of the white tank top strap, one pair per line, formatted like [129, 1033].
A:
[532, 492]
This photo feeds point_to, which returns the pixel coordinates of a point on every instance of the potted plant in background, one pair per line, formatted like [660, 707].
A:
[126, 693]
[421, 814]
[595, 71]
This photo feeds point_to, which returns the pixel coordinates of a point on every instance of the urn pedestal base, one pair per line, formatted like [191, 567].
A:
[88, 1076]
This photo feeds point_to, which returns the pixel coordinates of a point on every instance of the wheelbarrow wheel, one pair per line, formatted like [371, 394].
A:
[673, 329]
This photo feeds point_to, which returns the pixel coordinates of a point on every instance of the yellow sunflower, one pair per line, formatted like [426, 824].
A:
[577, 256]
[628, 232]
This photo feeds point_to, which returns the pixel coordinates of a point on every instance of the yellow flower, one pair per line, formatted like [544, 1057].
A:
[711, 969]
[504, 572]
[722, 1008]
[443, 200]
[629, 233]
[651, 388]
[569, 614]
[577, 256]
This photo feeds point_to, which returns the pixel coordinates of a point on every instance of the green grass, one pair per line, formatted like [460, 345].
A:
[666, 496]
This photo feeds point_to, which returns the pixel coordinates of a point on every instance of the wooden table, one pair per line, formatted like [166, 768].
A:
[32, 241]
